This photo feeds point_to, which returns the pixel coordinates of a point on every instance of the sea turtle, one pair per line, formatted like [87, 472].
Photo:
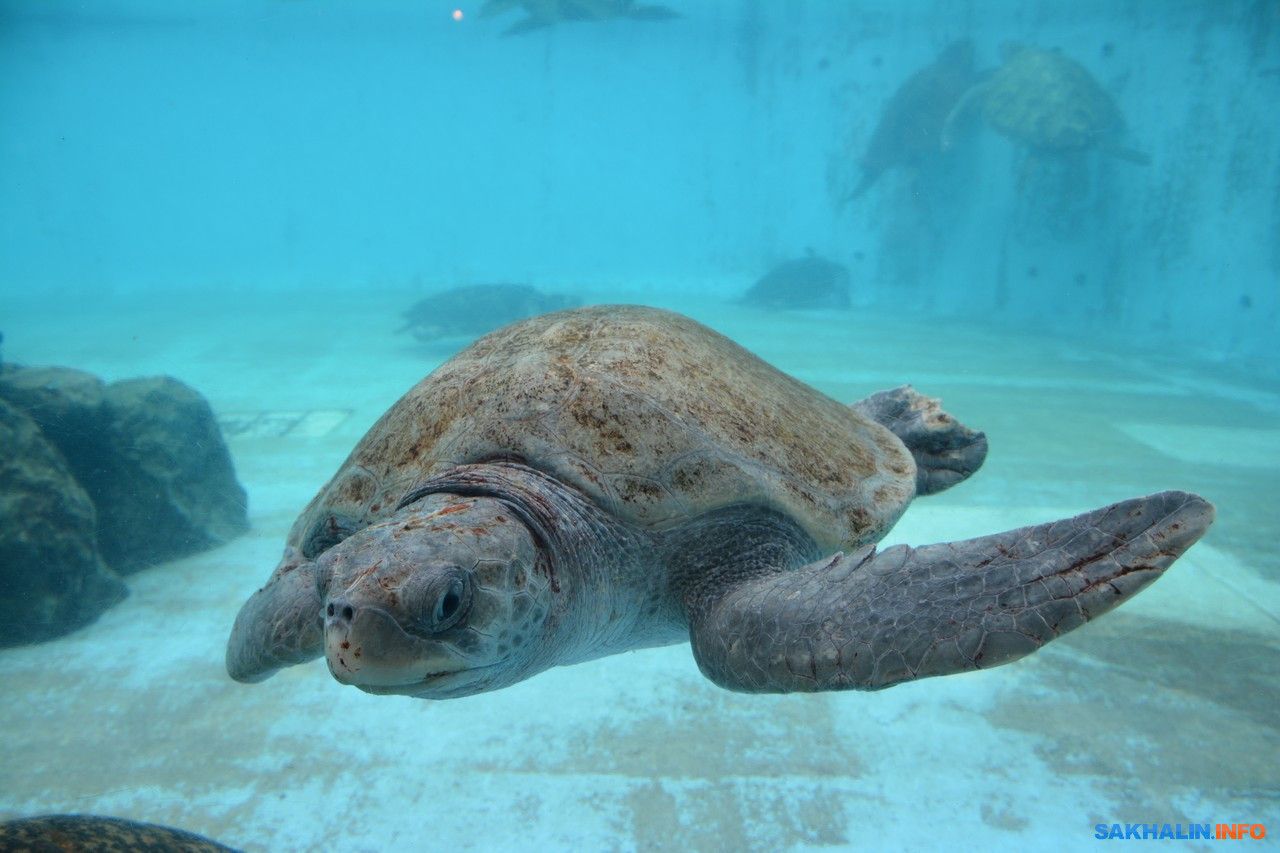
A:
[473, 309]
[544, 13]
[808, 282]
[616, 477]
[82, 833]
[1048, 102]
[909, 131]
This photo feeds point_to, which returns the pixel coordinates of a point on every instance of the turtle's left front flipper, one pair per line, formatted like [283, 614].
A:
[870, 620]
[280, 625]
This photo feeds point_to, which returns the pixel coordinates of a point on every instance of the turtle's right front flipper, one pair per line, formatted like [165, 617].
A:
[874, 620]
[280, 625]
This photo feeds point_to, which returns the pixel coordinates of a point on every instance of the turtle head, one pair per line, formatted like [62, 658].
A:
[448, 597]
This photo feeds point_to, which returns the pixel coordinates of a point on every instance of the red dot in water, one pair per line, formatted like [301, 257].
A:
[457, 14]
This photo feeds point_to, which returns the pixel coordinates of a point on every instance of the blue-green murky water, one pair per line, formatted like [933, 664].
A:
[247, 195]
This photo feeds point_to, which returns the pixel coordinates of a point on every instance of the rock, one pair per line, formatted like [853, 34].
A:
[53, 578]
[149, 454]
[166, 486]
[69, 405]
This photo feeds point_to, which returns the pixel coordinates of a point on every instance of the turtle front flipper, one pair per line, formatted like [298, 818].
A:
[280, 625]
[870, 620]
[951, 125]
[946, 451]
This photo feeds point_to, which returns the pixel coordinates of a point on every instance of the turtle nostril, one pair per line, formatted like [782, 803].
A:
[340, 611]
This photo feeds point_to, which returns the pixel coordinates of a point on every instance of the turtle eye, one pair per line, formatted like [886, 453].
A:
[449, 606]
[438, 597]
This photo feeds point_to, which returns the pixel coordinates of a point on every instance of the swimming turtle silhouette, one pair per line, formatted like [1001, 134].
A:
[81, 833]
[909, 131]
[474, 309]
[545, 13]
[608, 478]
[808, 282]
[1049, 103]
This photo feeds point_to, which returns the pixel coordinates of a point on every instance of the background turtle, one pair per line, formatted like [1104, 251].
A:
[544, 13]
[610, 478]
[81, 833]
[1048, 102]
[909, 131]
[808, 282]
[473, 309]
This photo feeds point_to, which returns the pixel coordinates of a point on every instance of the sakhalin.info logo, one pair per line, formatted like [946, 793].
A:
[1179, 830]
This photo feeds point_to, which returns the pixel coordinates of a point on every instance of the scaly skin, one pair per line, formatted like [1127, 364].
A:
[868, 621]
[94, 834]
[482, 578]
[280, 624]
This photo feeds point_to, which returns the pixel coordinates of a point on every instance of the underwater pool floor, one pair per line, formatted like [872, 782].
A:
[1166, 711]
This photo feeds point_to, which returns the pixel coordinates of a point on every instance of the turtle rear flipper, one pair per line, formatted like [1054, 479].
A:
[945, 450]
[951, 125]
[870, 620]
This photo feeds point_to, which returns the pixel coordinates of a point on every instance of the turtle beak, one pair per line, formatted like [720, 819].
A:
[366, 647]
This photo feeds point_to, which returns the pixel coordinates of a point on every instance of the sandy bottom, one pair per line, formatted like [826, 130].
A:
[1167, 711]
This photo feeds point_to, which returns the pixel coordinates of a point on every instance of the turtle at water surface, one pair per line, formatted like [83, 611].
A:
[1048, 102]
[545, 13]
[614, 477]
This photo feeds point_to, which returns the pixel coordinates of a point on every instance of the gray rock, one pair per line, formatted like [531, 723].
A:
[166, 486]
[149, 454]
[51, 573]
[69, 405]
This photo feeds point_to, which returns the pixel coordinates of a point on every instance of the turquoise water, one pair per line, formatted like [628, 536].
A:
[247, 195]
